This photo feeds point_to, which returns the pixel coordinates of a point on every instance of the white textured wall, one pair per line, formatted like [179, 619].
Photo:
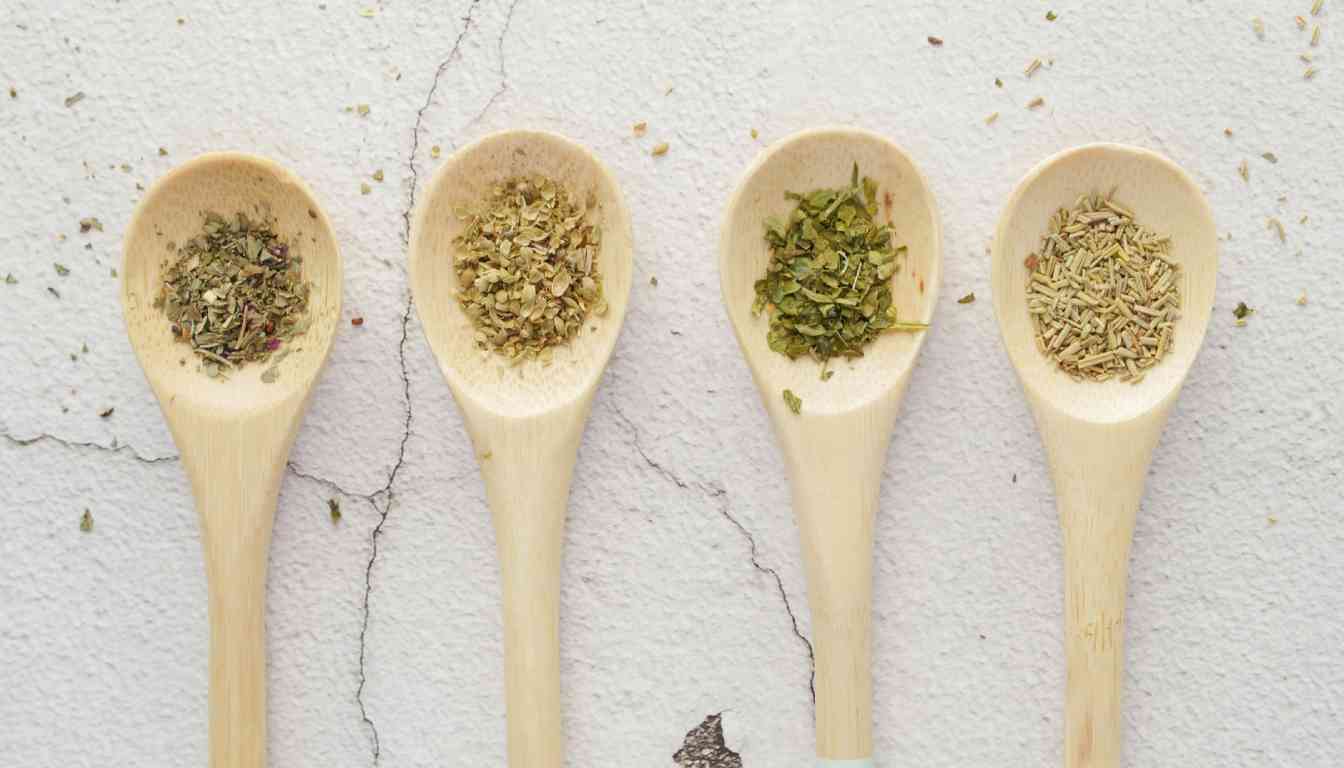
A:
[682, 577]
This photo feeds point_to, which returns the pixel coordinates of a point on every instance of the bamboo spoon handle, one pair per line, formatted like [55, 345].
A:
[235, 474]
[527, 465]
[836, 466]
[1099, 473]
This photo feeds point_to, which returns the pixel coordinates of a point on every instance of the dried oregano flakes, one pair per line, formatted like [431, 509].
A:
[235, 293]
[527, 267]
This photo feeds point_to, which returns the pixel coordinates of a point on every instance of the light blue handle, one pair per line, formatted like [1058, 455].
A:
[864, 763]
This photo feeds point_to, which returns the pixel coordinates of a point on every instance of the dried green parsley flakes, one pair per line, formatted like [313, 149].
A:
[235, 293]
[527, 268]
[827, 286]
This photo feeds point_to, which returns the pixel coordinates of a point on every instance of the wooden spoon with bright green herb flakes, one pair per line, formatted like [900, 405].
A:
[834, 423]
[1099, 435]
[234, 432]
[525, 412]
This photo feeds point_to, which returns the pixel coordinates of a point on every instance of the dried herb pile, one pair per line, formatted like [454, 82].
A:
[827, 286]
[1104, 294]
[527, 268]
[235, 293]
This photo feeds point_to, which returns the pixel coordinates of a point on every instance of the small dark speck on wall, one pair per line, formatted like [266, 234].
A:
[704, 747]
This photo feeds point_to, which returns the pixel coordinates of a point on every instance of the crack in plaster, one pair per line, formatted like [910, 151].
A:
[126, 448]
[503, 71]
[721, 495]
[386, 494]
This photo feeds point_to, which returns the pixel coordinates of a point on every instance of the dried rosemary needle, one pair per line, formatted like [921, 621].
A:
[1103, 293]
[527, 268]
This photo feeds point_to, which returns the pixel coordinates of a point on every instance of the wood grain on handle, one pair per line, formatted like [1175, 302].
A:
[235, 470]
[1099, 473]
[527, 464]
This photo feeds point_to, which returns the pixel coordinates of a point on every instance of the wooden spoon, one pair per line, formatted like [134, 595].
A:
[835, 449]
[525, 421]
[234, 436]
[1099, 437]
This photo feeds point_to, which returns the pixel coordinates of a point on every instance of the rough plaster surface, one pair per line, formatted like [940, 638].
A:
[682, 596]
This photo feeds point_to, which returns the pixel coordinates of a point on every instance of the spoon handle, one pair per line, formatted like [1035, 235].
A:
[236, 484]
[836, 524]
[1099, 473]
[527, 466]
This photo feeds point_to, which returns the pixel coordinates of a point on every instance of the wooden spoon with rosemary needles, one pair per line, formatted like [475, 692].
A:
[1099, 436]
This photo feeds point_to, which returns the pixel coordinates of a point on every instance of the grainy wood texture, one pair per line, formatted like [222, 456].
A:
[835, 449]
[1099, 437]
[234, 436]
[525, 421]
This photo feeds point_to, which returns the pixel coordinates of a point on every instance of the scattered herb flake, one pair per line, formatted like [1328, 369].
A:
[1309, 74]
[334, 508]
[1241, 312]
[367, 13]
[487, 455]
[378, 175]
[163, 152]
[1300, 21]
[61, 269]
[1316, 36]
[1244, 171]
[89, 223]
[1227, 132]
[653, 281]
[74, 98]
[1258, 26]
[967, 299]
[1316, 7]
[1276, 225]
[935, 41]
[998, 82]
[86, 521]
[794, 402]
[53, 292]
[10, 279]
[1271, 157]
[362, 110]
[1051, 15]
[755, 134]
[1302, 300]
[13, 94]
[640, 128]
[660, 149]
[356, 321]
[105, 413]
[435, 151]
[364, 188]
[1032, 67]
[1036, 103]
[991, 118]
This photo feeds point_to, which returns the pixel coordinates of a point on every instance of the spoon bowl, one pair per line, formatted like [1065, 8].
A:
[171, 213]
[525, 420]
[1099, 436]
[234, 436]
[810, 160]
[835, 448]
[1162, 198]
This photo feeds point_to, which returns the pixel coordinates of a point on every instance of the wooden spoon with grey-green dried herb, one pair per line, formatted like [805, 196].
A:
[829, 262]
[231, 291]
[520, 262]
